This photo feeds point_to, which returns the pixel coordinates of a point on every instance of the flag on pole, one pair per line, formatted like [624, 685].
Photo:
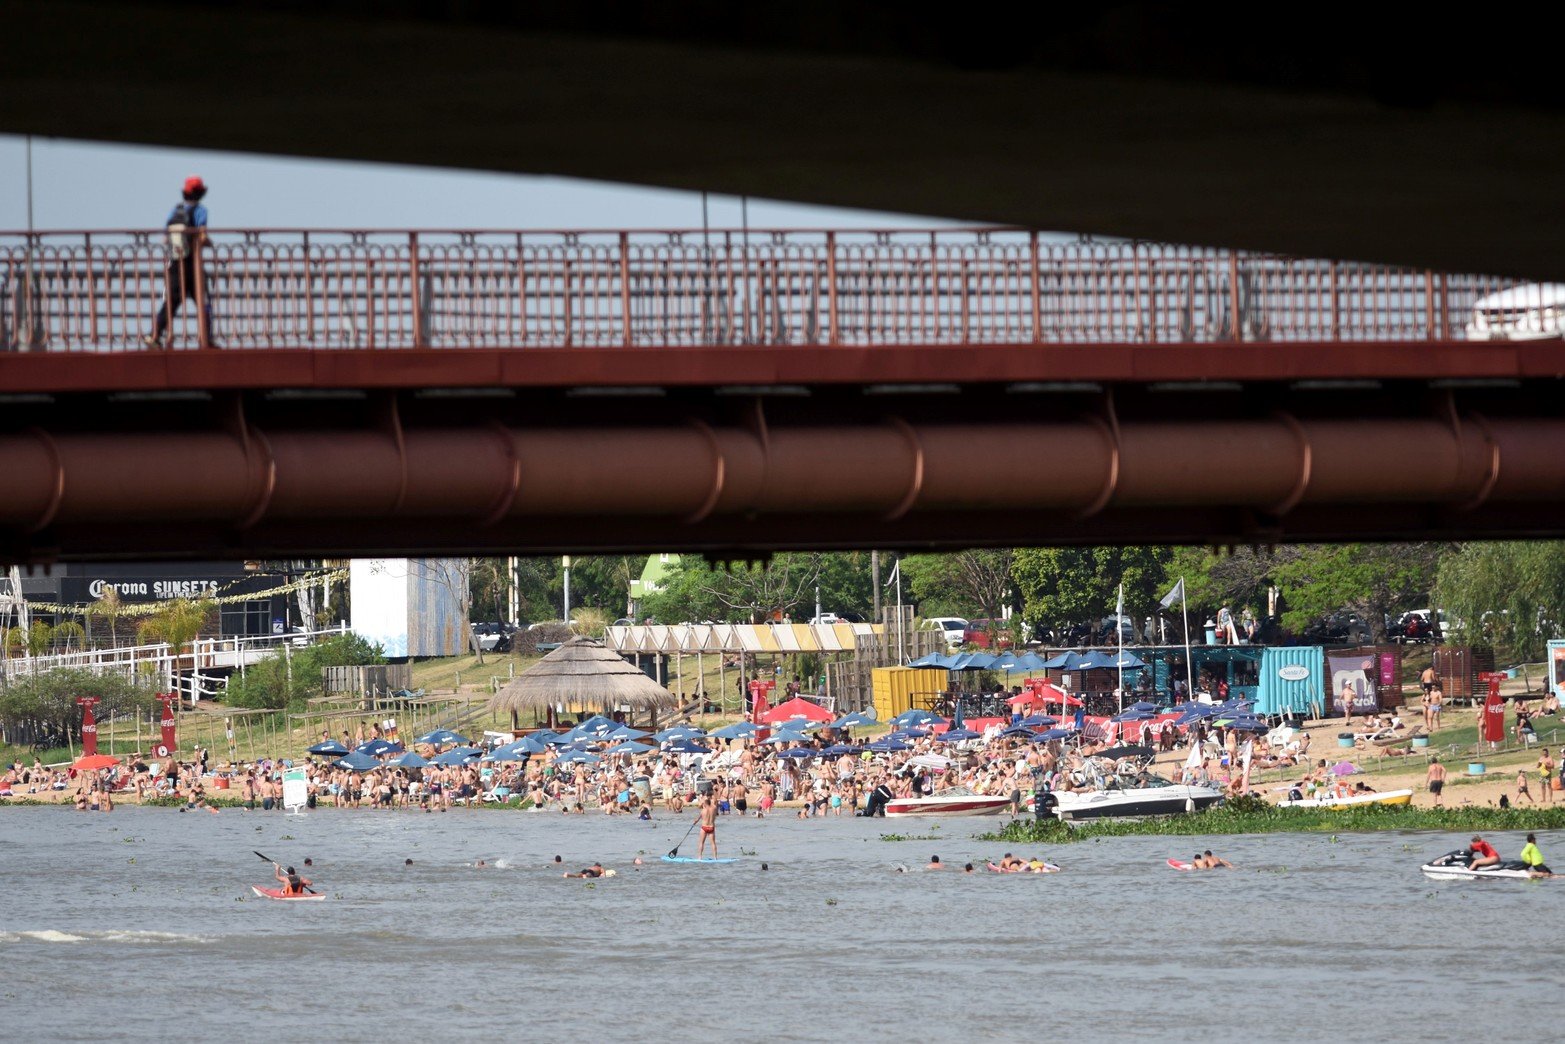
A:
[896, 568]
[1176, 595]
[1194, 760]
[1119, 606]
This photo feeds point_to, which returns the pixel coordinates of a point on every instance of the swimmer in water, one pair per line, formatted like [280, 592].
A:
[595, 870]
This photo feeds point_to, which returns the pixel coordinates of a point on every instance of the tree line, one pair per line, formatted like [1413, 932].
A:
[1507, 595]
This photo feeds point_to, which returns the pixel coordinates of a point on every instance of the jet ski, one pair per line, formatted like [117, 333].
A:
[1453, 867]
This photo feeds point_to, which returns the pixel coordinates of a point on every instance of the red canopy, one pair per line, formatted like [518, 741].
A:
[1042, 692]
[798, 707]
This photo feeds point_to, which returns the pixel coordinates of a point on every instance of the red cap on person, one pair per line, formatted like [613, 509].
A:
[194, 184]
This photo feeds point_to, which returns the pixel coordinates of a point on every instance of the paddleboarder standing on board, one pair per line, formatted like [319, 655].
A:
[292, 883]
[708, 823]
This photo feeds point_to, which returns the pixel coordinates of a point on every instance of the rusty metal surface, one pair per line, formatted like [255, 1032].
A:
[317, 290]
[544, 471]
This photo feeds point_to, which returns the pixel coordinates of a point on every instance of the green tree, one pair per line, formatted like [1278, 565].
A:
[1506, 594]
[178, 621]
[603, 581]
[1081, 584]
[975, 583]
[786, 584]
[589, 620]
[1372, 580]
[107, 607]
[291, 679]
[46, 702]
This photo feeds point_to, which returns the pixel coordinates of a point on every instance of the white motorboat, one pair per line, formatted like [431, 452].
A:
[1453, 867]
[955, 801]
[1125, 789]
[1146, 795]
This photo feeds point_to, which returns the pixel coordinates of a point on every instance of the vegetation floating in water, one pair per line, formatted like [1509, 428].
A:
[1254, 816]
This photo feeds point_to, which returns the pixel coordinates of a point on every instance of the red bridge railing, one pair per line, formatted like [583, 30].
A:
[323, 289]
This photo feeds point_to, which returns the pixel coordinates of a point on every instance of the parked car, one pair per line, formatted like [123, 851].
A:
[954, 627]
[825, 618]
[1530, 312]
[988, 633]
[1106, 632]
[1339, 628]
[1413, 627]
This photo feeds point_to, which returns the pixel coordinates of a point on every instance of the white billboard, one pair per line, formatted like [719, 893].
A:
[410, 606]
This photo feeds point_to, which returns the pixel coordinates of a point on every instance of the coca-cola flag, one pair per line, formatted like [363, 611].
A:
[89, 726]
[1494, 717]
[168, 745]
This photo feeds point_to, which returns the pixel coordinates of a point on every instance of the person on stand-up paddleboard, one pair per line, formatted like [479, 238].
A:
[708, 823]
[292, 882]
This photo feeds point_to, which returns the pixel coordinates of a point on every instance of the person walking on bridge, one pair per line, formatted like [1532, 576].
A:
[186, 225]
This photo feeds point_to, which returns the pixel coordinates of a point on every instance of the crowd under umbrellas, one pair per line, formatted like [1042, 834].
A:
[795, 750]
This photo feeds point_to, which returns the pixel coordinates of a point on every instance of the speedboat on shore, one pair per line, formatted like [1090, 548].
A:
[1146, 795]
[1117, 784]
[1453, 867]
[956, 801]
[1390, 797]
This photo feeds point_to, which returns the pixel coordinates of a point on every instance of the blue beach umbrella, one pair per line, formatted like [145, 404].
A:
[887, 745]
[630, 747]
[407, 759]
[442, 738]
[787, 736]
[837, 750]
[376, 747]
[916, 716]
[800, 753]
[1133, 715]
[1018, 730]
[738, 730]
[686, 746]
[577, 756]
[358, 761]
[1052, 734]
[509, 752]
[857, 718]
[1065, 661]
[956, 736]
[677, 732]
[1038, 721]
[457, 756]
[624, 733]
[330, 747]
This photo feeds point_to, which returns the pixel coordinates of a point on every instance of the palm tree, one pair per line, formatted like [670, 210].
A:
[178, 622]
[589, 621]
[109, 608]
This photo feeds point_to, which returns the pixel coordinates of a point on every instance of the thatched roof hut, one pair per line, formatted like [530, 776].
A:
[585, 675]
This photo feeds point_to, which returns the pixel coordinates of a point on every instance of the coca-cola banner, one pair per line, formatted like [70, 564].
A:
[1360, 672]
[167, 746]
[89, 726]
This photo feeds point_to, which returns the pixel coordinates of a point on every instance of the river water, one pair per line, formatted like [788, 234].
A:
[141, 923]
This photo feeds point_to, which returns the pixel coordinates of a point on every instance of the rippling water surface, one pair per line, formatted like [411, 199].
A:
[142, 923]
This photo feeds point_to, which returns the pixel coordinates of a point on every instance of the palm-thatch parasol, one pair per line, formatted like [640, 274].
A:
[585, 674]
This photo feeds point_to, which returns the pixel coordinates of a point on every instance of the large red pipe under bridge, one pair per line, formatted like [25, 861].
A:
[739, 391]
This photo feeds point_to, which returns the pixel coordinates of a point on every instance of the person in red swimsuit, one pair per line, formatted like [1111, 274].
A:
[708, 825]
[1483, 854]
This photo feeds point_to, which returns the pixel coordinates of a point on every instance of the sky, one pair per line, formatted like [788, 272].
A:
[92, 185]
